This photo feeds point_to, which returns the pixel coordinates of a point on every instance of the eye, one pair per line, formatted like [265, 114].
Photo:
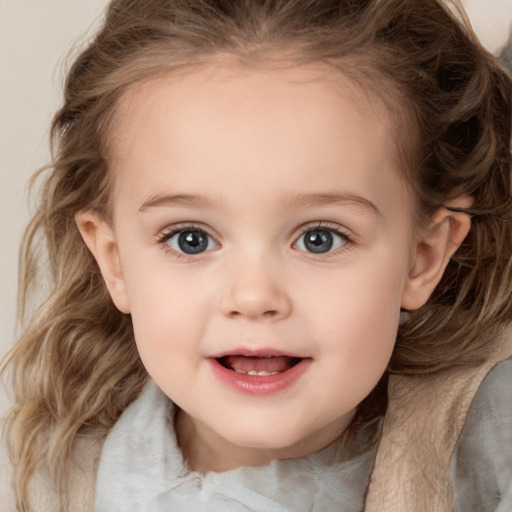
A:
[321, 240]
[190, 241]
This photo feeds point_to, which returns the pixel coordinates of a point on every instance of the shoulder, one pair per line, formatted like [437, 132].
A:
[481, 466]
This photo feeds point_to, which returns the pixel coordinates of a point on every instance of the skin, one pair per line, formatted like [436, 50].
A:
[255, 158]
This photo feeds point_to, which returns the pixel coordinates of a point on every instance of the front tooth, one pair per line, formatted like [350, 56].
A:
[255, 373]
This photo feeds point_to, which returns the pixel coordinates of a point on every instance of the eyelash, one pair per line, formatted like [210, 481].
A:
[170, 232]
[334, 229]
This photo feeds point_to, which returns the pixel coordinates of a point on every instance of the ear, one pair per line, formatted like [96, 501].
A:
[432, 254]
[100, 239]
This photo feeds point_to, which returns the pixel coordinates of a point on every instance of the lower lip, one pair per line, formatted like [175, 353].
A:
[259, 384]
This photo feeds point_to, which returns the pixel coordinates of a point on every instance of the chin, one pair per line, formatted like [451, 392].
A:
[275, 440]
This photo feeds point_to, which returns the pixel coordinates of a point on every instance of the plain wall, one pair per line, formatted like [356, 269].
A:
[35, 36]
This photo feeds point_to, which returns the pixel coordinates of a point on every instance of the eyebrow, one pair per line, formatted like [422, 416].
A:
[297, 201]
[321, 199]
[169, 200]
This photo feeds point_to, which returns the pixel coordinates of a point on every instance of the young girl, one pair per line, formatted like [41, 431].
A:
[279, 241]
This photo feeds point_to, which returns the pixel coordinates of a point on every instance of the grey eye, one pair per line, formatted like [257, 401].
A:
[320, 241]
[191, 241]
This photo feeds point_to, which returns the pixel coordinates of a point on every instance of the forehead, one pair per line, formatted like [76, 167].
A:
[232, 86]
[235, 124]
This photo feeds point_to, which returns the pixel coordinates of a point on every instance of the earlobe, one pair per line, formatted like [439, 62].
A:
[100, 240]
[433, 252]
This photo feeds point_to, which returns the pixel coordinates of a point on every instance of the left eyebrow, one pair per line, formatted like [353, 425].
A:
[169, 200]
[310, 200]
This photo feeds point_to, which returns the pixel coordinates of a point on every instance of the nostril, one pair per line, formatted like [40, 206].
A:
[266, 314]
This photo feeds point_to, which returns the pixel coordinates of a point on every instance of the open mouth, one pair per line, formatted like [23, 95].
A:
[258, 366]
[259, 373]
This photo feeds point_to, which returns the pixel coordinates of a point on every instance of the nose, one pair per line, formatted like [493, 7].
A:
[253, 291]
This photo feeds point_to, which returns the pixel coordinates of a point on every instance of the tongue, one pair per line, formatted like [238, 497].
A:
[246, 364]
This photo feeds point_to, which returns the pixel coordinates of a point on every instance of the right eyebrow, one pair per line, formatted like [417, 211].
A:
[170, 200]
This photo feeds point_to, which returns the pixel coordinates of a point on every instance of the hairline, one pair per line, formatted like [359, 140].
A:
[366, 80]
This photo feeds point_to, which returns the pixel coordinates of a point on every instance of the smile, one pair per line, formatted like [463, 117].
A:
[260, 373]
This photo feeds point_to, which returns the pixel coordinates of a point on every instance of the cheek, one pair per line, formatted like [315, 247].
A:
[358, 345]
[358, 314]
[166, 312]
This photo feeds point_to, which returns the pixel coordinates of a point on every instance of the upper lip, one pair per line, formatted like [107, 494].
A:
[260, 352]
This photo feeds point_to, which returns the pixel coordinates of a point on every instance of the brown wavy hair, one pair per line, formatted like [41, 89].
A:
[75, 368]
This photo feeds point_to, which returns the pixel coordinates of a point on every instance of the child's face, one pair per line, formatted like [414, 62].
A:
[262, 226]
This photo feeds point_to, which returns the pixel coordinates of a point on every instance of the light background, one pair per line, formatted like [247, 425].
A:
[35, 38]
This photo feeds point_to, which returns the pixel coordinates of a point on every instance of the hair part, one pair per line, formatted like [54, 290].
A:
[75, 368]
